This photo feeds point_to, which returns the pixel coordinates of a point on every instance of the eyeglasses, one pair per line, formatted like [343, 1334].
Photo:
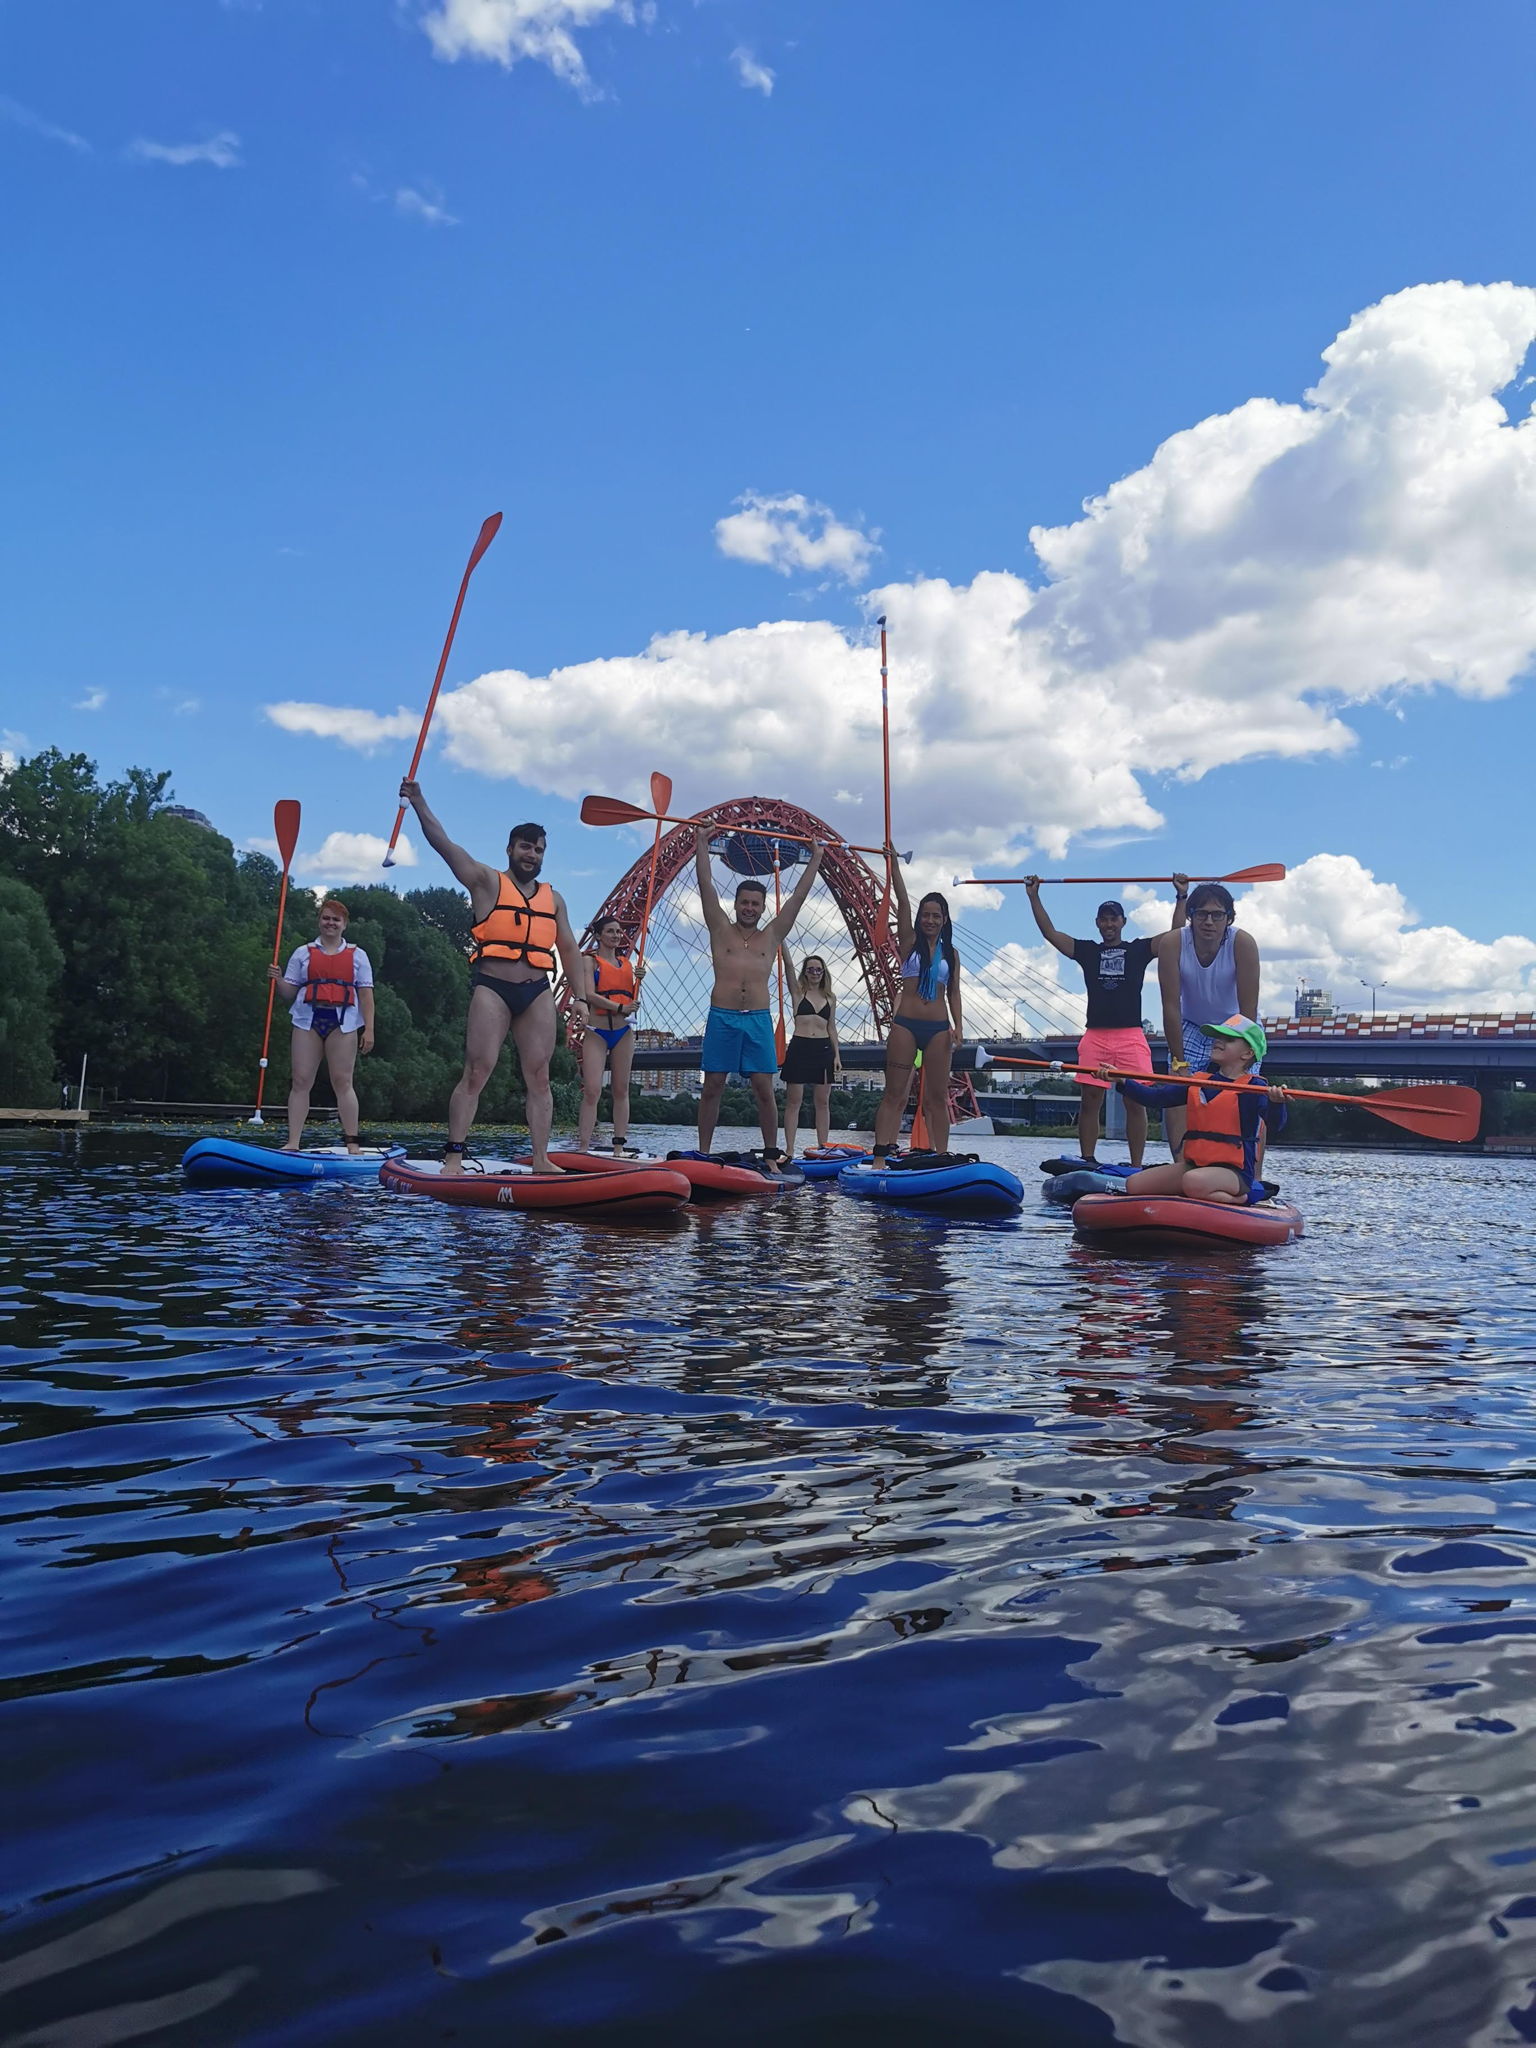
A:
[1209, 916]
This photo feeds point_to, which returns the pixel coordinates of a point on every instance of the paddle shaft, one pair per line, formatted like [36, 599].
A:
[778, 963]
[634, 815]
[488, 532]
[1271, 873]
[1384, 1105]
[885, 731]
[661, 796]
[885, 769]
[286, 825]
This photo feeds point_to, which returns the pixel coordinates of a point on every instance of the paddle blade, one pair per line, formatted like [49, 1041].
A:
[1449, 1114]
[661, 794]
[285, 827]
[1268, 871]
[488, 533]
[610, 810]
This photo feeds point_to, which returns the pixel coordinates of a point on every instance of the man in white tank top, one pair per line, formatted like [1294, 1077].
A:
[1199, 970]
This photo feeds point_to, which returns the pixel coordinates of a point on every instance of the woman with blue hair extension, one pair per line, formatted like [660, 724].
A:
[927, 1019]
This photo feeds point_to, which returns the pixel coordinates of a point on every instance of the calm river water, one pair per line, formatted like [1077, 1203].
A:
[803, 1622]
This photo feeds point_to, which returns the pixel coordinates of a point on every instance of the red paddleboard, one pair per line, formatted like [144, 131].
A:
[500, 1184]
[704, 1176]
[1182, 1220]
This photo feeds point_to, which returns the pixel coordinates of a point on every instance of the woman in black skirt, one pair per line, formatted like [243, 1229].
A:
[811, 1058]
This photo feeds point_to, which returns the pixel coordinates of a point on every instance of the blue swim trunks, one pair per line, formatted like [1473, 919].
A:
[739, 1042]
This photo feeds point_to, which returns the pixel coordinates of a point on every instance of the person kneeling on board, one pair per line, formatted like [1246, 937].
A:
[1219, 1158]
[520, 924]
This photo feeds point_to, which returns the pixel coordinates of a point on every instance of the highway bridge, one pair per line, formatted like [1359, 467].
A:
[1481, 1051]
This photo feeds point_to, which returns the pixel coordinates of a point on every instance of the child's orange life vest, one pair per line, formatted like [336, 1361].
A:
[1213, 1136]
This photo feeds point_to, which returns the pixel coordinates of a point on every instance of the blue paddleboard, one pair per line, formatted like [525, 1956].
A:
[977, 1187]
[231, 1163]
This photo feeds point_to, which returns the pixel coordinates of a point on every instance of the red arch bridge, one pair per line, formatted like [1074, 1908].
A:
[1009, 1006]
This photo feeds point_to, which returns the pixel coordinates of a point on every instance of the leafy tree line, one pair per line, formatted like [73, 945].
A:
[142, 940]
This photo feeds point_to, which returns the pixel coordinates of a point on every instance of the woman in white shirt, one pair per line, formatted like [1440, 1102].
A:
[330, 985]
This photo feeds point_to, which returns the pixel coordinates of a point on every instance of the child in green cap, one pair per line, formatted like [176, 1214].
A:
[1220, 1155]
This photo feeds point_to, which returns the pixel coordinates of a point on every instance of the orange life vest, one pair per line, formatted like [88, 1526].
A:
[335, 987]
[620, 985]
[517, 927]
[1213, 1136]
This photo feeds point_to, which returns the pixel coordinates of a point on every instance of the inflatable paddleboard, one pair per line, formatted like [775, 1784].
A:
[1182, 1220]
[716, 1178]
[974, 1186]
[826, 1162]
[231, 1163]
[706, 1178]
[503, 1184]
[1065, 1188]
[1118, 1168]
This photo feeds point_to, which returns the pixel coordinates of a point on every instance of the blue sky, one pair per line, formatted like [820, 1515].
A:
[958, 271]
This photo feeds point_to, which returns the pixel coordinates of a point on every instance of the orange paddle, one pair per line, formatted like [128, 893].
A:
[1269, 871]
[778, 967]
[488, 533]
[612, 810]
[285, 826]
[1436, 1110]
[661, 796]
[885, 764]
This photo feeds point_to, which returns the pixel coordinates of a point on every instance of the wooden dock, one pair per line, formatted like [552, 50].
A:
[45, 1116]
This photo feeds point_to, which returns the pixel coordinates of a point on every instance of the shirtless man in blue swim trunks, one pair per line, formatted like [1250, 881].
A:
[738, 1038]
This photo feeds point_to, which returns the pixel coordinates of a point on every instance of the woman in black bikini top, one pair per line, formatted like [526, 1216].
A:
[927, 1018]
[811, 1058]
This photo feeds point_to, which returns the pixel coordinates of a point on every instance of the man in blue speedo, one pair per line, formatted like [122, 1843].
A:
[738, 1038]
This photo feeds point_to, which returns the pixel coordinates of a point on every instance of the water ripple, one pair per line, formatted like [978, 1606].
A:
[426, 1624]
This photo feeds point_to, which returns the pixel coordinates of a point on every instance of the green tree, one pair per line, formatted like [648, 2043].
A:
[161, 937]
[28, 993]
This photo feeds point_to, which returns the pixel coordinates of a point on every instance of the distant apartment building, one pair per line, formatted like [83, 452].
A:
[679, 1080]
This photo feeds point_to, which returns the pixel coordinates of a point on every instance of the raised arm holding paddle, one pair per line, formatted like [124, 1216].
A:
[521, 926]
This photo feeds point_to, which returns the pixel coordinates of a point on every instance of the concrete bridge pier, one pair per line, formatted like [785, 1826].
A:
[1114, 1115]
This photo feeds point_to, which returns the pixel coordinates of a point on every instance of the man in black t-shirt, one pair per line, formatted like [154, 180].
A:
[1113, 967]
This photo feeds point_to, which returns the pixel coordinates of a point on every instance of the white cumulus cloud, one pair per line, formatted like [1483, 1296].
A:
[1264, 571]
[506, 31]
[793, 532]
[755, 76]
[354, 857]
[221, 150]
[1331, 921]
[367, 731]
[91, 701]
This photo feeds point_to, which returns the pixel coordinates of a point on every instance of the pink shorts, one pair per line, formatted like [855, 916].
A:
[1126, 1048]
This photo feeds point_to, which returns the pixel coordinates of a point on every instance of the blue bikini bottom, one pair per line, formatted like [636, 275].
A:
[923, 1029]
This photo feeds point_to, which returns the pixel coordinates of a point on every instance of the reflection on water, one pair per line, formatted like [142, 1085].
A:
[431, 1625]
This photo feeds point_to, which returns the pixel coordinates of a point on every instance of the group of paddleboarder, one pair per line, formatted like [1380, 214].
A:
[1208, 976]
